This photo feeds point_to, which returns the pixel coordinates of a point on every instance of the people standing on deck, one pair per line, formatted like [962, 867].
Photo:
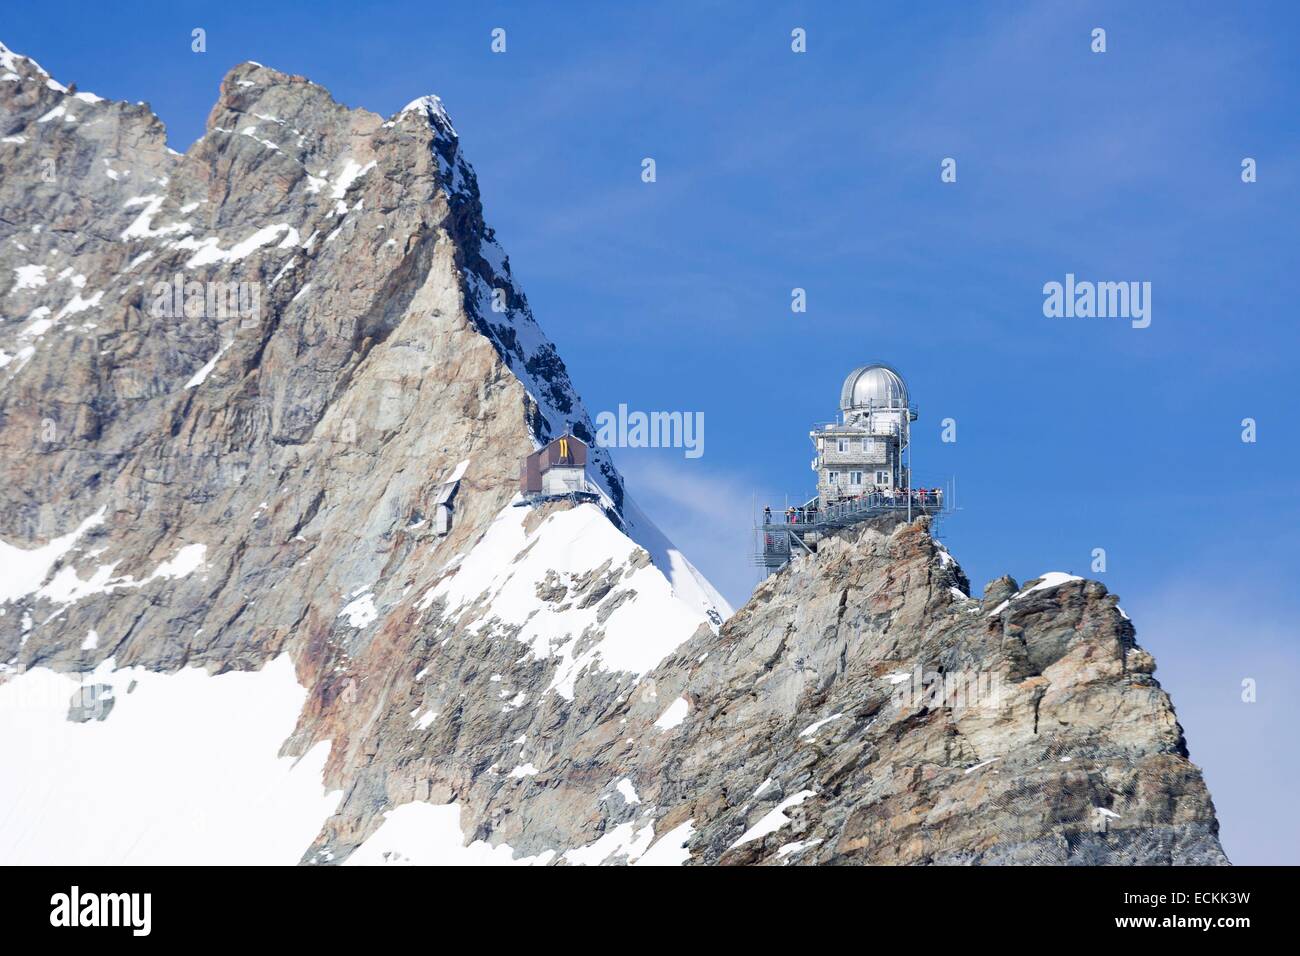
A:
[888, 496]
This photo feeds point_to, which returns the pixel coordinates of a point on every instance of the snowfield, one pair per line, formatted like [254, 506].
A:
[503, 572]
[185, 769]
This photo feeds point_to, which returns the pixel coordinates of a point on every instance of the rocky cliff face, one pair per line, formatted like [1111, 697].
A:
[863, 708]
[232, 384]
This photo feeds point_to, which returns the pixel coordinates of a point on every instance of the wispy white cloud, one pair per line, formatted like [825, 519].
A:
[708, 514]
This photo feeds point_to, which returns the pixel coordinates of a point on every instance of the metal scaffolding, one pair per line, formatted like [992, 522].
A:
[799, 529]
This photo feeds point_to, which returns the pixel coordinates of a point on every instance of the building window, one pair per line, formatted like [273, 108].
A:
[833, 477]
[855, 477]
[882, 477]
[842, 444]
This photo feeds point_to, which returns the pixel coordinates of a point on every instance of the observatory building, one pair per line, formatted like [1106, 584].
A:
[862, 453]
[863, 465]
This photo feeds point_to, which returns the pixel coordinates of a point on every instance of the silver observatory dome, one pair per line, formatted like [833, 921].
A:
[873, 386]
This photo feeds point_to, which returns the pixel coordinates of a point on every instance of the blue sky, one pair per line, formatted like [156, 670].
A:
[821, 171]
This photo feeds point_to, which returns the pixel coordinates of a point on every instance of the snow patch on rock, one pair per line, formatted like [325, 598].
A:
[502, 573]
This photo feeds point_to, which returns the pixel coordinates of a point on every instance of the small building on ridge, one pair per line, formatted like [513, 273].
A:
[557, 468]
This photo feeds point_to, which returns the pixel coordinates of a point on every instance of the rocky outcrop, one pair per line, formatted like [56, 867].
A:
[863, 696]
[232, 384]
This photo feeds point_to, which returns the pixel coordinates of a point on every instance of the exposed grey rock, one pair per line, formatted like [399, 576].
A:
[1077, 758]
[91, 702]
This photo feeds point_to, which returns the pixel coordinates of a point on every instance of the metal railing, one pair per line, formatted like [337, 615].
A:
[876, 502]
[860, 507]
[784, 532]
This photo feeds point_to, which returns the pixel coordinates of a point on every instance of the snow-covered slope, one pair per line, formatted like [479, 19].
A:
[176, 769]
[499, 584]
